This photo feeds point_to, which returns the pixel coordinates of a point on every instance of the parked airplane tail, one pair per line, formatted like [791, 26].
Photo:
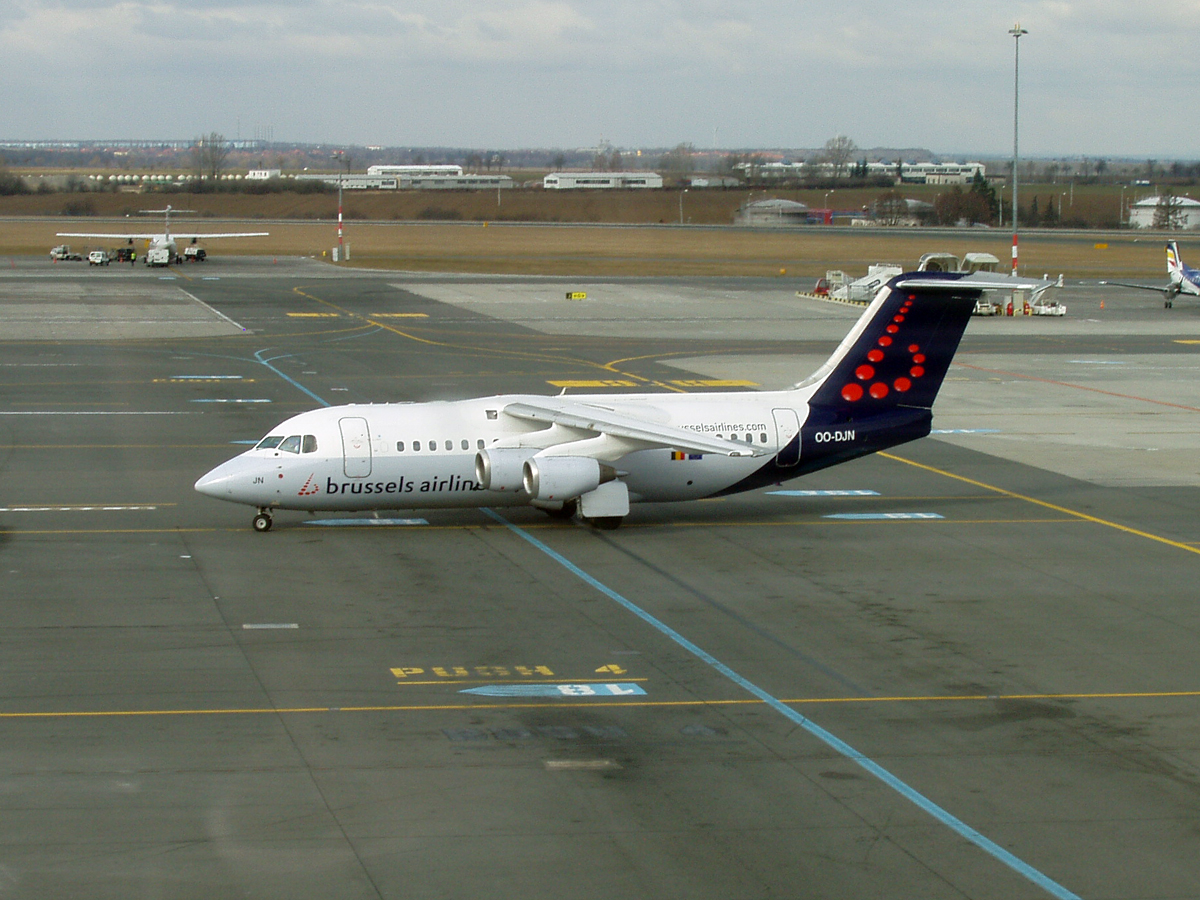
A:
[1174, 263]
[898, 352]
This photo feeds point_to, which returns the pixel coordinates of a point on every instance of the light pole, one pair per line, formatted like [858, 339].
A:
[681, 193]
[825, 204]
[1016, 31]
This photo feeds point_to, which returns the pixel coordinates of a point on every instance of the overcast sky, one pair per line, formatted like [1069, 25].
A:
[1100, 78]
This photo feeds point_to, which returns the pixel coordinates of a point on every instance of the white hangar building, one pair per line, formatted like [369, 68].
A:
[1184, 213]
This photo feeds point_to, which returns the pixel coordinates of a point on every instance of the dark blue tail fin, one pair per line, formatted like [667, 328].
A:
[898, 352]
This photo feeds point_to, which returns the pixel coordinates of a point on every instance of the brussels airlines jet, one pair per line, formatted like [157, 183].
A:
[595, 454]
[1183, 279]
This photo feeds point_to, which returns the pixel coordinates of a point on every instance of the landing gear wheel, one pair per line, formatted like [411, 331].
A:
[262, 522]
[568, 510]
[1168, 304]
[608, 523]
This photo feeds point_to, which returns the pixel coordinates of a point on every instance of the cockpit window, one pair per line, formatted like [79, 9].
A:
[291, 444]
[309, 444]
[270, 442]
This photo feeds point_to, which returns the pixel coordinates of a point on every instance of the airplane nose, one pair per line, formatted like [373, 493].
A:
[232, 480]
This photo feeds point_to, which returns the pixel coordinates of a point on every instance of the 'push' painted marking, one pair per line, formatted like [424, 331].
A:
[847, 493]
[556, 690]
[864, 516]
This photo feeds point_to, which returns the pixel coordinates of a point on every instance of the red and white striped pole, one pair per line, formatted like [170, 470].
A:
[1014, 261]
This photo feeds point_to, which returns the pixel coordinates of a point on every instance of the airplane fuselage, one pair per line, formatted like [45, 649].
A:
[400, 456]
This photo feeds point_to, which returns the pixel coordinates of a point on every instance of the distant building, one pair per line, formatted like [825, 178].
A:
[1184, 213]
[908, 173]
[773, 212]
[564, 181]
[415, 170]
[358, 182]
[263, 174]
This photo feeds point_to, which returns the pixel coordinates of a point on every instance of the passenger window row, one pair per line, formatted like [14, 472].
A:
[749, 438]
[432, 446]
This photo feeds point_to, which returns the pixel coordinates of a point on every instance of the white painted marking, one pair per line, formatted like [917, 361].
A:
[584, 765]
[25, 509]
[262, 626]
[335, 523]
[846, 493]
[230, 400]
[207, 377]
[883, 516]
[114, 412]
[965, 431]
[219, 315]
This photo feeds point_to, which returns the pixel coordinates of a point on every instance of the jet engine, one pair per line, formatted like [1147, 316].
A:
[499, 469]
[564, 477]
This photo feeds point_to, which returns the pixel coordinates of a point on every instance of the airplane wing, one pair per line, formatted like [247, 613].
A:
[186, 236]
[149, 236]
[1162, 289]
[586, 417]
[86, 234]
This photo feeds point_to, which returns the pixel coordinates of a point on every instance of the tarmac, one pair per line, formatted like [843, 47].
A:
[965, 668]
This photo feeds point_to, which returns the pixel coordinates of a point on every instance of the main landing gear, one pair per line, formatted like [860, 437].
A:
[263, 521]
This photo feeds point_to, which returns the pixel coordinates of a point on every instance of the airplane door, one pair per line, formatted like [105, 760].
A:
[356, 447]
[787, 433]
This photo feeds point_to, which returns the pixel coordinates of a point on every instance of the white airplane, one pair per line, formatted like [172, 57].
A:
[1181, 279]
[595, 454]
[162, 250]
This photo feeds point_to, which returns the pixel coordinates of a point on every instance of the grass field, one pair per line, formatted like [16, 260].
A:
[396, 237]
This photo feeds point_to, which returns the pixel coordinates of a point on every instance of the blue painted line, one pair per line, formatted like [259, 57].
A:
[574, 691]
[865, 516]
[824, 493]
[251, 443]
[828, 738]
[292, 381]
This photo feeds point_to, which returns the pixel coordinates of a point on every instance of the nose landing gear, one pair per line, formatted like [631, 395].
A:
[263, 521]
